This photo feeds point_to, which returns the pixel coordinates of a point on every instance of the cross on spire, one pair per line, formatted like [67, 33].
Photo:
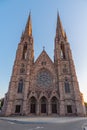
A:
[43, 48]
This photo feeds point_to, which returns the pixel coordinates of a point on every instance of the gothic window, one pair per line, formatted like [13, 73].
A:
[22, 70]
[20, 86]
[65, 69]
[67, 87]
[17, 109]
[62, 51]
[69, 109]
[24, 52]
[43, 63]
[44, 78]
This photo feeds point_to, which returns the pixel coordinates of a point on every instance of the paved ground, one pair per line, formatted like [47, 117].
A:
[44, 119]
[43, 123]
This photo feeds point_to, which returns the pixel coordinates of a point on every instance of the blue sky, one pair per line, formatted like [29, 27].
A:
[13, 18]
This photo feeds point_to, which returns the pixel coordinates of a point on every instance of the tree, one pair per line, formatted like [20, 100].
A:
[1, 103]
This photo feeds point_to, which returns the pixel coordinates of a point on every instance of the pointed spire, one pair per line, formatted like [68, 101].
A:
[59, 28]
[28, 28]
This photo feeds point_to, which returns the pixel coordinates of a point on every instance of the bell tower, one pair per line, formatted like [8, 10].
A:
[19, 83]
[70, 96]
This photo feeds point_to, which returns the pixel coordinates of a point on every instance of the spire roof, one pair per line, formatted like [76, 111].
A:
[28, 28]
[59, 27]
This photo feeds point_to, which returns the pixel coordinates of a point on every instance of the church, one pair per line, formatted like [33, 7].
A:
[42, 86]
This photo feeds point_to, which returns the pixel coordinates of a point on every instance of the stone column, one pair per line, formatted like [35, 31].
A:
[38, 108]
[24, 111]
[62, 108]
[49, 108]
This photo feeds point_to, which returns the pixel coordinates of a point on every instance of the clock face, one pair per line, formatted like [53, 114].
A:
[44, 79]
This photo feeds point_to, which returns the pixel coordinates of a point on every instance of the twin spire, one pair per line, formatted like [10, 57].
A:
[59, 29]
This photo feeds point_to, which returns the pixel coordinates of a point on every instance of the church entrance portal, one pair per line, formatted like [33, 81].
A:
[54, 105]
[32, 105]
[43, 105]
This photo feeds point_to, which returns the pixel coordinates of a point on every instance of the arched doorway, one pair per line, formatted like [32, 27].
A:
[43, 105]
[54, 105]
[32, 105]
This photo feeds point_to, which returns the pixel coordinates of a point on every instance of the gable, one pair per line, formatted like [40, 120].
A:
[43, 67]
[44, 62]
[44, 59]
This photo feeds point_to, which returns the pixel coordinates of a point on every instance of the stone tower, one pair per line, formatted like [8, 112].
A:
[43, 87]
[67, 79]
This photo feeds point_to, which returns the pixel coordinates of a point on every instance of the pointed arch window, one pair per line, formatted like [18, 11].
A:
[22, 69]
[67, 87]
[62, 53]
[24, 52]
[20, 86]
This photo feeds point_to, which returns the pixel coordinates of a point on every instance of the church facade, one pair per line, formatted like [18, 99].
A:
[43, 86]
